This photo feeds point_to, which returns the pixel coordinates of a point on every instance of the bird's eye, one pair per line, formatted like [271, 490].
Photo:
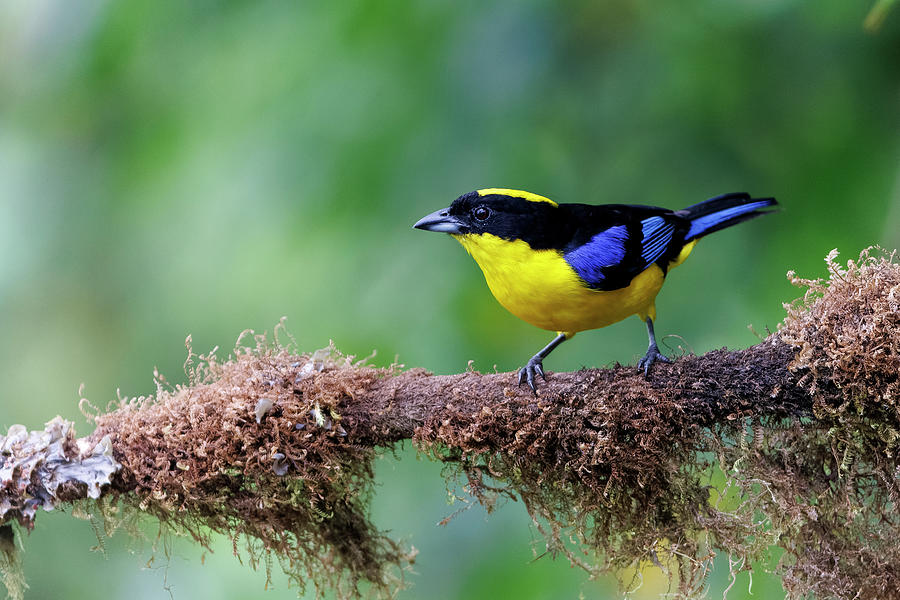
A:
[481, 213]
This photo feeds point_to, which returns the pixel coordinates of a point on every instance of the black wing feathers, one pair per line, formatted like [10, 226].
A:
[612, 244]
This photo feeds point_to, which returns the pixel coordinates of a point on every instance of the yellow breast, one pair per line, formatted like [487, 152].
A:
[541, 288]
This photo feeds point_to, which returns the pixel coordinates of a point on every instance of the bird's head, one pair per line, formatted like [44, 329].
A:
[504, 213]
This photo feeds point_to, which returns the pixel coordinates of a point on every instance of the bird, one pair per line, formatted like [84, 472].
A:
[575, 267]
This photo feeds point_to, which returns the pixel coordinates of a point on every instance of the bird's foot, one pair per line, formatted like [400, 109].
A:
[527, 373]
[653, 355]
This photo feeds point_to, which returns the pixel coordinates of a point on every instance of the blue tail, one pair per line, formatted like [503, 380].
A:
[721, 212]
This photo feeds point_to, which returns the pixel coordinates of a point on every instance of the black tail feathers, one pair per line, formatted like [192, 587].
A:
[723, 211]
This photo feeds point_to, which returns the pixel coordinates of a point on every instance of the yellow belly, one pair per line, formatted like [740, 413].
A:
[541, 288]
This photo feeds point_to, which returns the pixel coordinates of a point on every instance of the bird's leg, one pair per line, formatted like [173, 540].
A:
[653, 353]
[535, 366]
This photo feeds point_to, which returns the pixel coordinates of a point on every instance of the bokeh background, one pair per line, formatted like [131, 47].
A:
[174, 168]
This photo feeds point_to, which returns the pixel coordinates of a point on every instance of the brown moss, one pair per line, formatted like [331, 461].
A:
[847, 330]
[209, 457]
[838, 478]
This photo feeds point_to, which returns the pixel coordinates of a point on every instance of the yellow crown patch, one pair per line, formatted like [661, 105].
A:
[516, 194]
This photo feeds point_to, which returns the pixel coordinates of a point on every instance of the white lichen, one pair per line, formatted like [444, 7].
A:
[35, 464]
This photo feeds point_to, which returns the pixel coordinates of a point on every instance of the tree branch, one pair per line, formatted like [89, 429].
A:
[276, 449]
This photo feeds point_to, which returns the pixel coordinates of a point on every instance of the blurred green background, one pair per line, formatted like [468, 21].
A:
[175, 168]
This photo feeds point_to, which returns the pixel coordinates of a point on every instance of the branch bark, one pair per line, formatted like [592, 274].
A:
[720, 385]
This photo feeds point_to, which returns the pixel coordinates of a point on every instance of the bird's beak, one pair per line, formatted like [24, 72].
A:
[441, 221]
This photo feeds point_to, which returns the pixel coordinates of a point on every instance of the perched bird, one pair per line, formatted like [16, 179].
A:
[573, 267]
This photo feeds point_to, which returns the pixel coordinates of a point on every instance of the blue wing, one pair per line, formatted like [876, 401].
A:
[604, 251]
[609, 261]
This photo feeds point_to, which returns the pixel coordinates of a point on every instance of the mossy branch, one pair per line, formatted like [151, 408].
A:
[276, 448]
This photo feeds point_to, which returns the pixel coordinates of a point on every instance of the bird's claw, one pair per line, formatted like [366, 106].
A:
[653, 355]
[527, 373]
